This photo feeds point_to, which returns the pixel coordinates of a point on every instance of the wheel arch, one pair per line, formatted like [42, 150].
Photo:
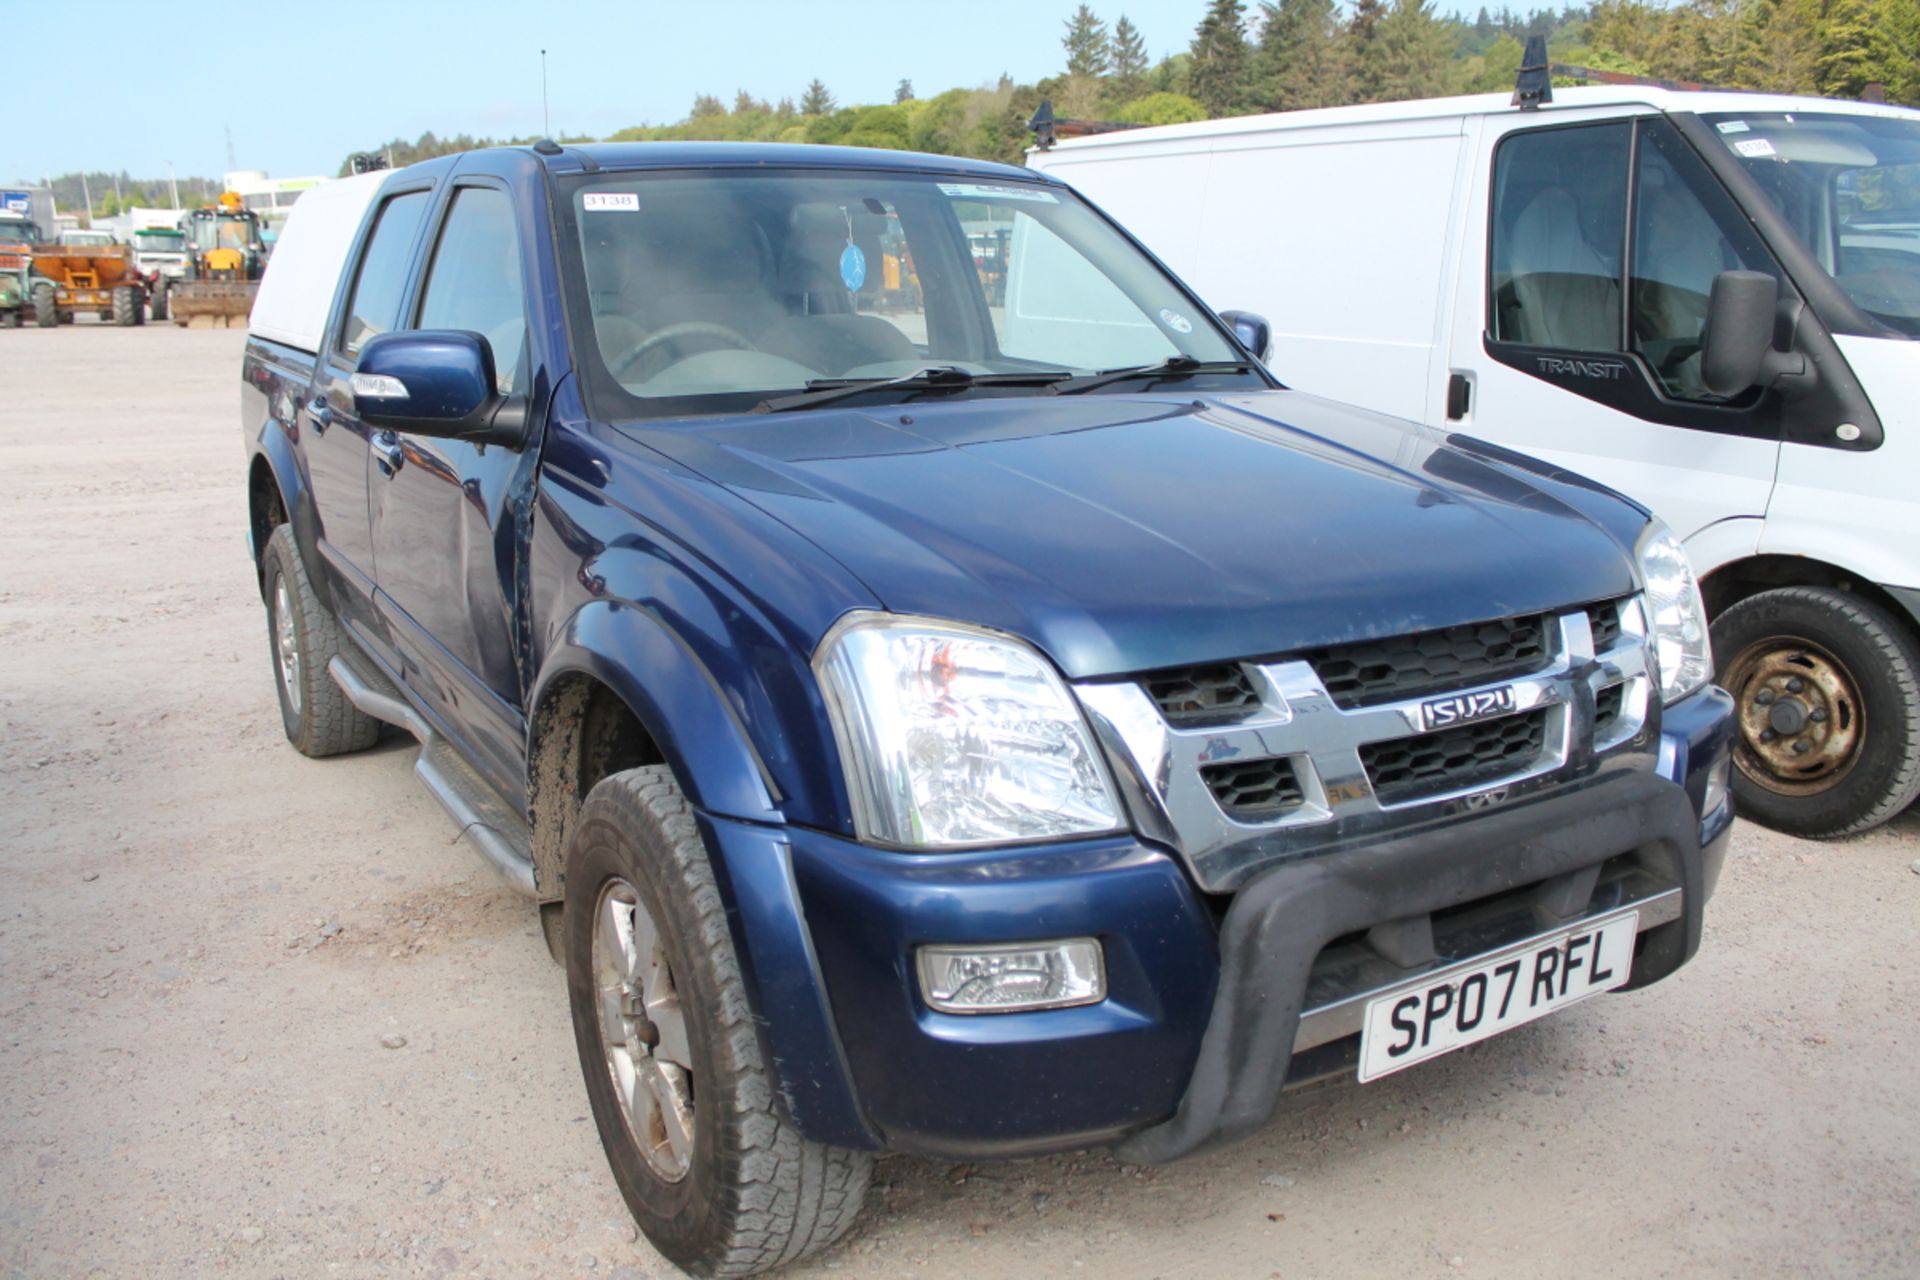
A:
[1741, 579]
[615, 691]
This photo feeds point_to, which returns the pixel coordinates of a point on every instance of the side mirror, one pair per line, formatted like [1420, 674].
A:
[1253, 331]
[433, 382]
[1736, 348]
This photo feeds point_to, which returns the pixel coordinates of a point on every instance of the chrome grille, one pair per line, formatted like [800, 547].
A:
[1214, 694]
[1369, 672]
[1603, 620]
[1280, 767]
[1405, 769]
[1254, 789]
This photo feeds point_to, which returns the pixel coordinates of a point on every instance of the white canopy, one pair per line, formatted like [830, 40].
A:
[308, 260]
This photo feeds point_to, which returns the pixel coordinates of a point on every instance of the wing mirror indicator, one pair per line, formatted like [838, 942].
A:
[435, 382]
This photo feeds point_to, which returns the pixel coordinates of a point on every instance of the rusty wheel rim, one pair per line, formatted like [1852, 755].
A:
[1802, 720]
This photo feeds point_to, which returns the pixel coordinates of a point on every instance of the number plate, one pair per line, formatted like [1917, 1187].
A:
[1489, 994]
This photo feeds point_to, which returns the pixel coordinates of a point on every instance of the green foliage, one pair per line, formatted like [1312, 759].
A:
[1302, 58]
[1221, 77]
[1088, 52]
[1306, 53]
[1129, 58]
[816, 101]
[1160, 108]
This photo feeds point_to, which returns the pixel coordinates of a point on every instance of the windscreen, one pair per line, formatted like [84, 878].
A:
[709, 292]
[158, 241]
[1849, 186]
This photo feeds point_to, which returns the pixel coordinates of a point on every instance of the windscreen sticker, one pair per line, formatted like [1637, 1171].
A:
[1732, 126]
[611, 201]
[989, 191]
[1175, 321]
[1753, 148]
[853, 267]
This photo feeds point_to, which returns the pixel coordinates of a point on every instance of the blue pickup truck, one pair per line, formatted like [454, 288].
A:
[943, 694]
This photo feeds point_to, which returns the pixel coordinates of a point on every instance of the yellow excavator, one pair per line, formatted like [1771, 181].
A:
[225, 256]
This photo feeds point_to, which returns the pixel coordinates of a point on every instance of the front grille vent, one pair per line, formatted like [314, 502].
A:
[1404, 769]
[1192, 696]
[1606, 708]
[1604, 618]
[1375, 671]
[1252, 790]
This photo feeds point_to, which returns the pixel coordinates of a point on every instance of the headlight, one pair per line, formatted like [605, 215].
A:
[954, 736]
[1676, 616]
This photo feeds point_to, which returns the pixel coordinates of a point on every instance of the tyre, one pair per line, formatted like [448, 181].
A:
[126, 306]
[714, 1173]
[158, 304]
[1828, 690]
[302, 637]
[10, 318]
[46, 312]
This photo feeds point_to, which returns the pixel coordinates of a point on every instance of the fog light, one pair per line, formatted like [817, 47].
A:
[1013, 979]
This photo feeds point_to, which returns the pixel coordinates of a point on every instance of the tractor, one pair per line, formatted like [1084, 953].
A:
[225, 256]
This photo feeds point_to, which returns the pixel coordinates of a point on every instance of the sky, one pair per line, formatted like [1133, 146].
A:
[302, 84]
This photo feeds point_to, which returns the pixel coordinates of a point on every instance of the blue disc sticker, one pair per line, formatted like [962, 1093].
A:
[1175, 321]
[853, 267]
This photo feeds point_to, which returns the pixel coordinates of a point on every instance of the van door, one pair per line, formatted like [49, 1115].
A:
[1576, 337]
[445, 534]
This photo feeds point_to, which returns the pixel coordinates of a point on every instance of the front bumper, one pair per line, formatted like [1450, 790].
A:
[1215, 1004]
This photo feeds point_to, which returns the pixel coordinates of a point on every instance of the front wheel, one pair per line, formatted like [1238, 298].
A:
[46, 311]
[713, 1171]
[1828, 690]
[157, 304]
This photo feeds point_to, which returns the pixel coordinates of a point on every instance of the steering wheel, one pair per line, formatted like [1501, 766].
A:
[714, 336]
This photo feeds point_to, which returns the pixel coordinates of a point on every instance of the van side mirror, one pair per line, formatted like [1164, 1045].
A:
[434, 382]
[1736, 348]
[1253, 331]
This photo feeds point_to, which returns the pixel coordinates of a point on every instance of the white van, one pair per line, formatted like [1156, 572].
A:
[1542, 278]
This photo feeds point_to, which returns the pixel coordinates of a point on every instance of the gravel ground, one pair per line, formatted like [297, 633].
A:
[210, 948]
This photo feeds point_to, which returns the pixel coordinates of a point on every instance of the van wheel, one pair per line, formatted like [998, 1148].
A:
[1828, 690]
[46, 312]
[713, 1171]
[302, 638]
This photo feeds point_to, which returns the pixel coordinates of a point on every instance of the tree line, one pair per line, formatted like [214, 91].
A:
[1287, 55]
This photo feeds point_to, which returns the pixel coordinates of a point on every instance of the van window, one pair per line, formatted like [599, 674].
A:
[1686, 231]
[1559, 214]
[474, 282]
[375, 306]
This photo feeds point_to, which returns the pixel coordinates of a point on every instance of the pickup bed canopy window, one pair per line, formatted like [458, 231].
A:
[713, 291]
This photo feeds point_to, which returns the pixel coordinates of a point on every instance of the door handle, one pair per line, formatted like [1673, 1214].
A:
[321, 412]
[1459, 397]
[387, 452]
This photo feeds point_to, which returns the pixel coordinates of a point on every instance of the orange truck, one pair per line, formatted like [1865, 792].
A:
[71, 278]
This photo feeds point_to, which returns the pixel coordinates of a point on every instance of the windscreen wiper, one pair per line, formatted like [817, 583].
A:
[933, 378]
[1172, 367]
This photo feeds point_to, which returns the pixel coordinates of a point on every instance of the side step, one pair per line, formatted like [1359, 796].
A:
[488, 822]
